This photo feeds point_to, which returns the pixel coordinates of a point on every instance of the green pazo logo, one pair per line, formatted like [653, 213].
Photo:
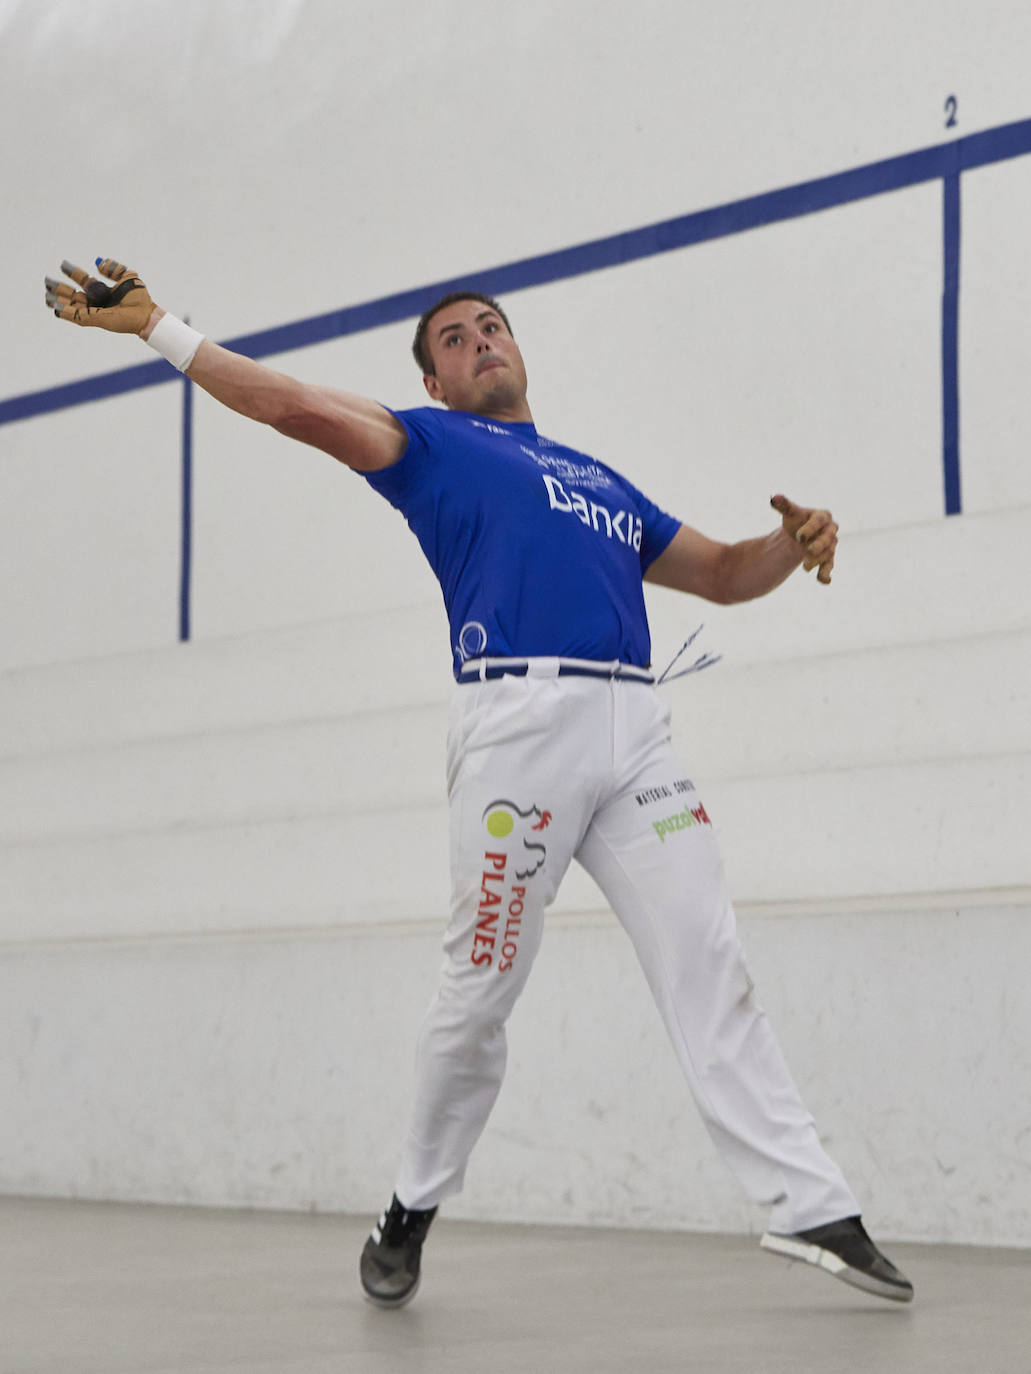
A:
[683, 820]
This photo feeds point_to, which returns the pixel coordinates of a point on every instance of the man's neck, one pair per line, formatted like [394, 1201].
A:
[504, 415]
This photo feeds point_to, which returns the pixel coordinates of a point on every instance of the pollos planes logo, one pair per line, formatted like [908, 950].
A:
[499, 915]
[503, 817]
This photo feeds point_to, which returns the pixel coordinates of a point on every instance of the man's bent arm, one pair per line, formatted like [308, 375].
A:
[728, 573]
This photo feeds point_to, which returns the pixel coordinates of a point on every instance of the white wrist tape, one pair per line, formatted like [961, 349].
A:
[176, 341]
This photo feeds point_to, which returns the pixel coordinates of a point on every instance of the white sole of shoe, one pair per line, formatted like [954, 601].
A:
[391, 1304]
[793, 1249]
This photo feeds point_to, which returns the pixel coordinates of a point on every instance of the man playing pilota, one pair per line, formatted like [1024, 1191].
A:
[558, 748]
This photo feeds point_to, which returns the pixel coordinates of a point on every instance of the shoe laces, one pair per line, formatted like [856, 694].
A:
[401, 1225]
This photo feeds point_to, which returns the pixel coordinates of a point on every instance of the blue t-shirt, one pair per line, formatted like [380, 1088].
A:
[539, 550]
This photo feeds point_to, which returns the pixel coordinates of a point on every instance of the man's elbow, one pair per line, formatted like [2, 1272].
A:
[293, 413]
[284, 405]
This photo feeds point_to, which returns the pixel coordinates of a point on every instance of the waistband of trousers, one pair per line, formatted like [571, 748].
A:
[487, 669]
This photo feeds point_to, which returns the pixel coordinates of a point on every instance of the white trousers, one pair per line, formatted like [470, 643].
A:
[545, 769]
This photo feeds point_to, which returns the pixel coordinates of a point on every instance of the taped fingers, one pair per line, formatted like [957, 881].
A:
[77, 274]
[73, 313]
[60, 293]
[816, 523]
[63, 300]
[115, 270]
[68, 304]
[77, 310]
[823, 543]
[123, 307]
[824, 560]
[815, 530]
[96, 292]
[820, 553]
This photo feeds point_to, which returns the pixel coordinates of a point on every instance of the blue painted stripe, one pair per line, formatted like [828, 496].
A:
[753, 212]
[950, 342]
[186, 521]
[89, 389]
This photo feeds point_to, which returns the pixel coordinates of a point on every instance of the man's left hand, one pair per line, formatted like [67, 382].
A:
[815, 530]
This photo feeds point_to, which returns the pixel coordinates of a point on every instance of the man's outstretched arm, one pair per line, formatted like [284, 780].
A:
[740, 572]
[353, 429]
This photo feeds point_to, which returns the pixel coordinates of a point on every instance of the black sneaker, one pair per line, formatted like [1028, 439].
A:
[845, 1250]
[389, 1266]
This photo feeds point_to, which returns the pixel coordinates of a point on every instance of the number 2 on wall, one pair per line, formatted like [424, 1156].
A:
[951, 106]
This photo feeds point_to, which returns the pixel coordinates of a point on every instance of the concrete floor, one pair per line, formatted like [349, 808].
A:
[95, 1288]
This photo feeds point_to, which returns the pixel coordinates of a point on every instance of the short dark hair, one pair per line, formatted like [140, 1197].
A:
[420, 348]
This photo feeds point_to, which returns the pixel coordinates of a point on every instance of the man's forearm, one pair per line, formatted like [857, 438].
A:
[240, 383]
[726, 573]
[754, 567]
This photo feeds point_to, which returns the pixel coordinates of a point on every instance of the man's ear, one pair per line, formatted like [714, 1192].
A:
[434, 388]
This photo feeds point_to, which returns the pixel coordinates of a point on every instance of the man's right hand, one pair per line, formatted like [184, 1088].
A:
[122, 308]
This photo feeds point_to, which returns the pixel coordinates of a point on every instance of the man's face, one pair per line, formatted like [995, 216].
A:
[478, 364]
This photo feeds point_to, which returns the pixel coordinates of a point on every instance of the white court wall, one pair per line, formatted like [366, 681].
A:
[222, 863]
